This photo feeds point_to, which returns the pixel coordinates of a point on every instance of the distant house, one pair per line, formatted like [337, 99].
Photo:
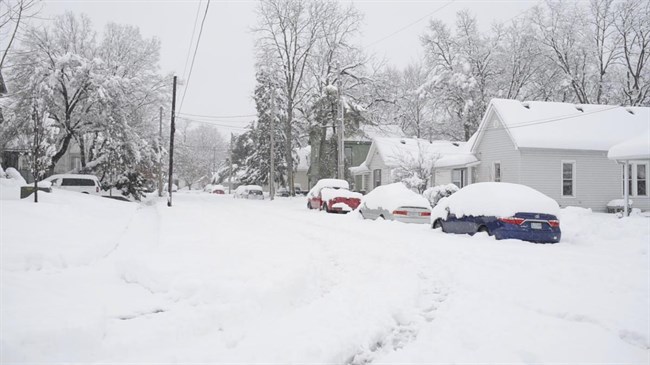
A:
[356, 146]
[300, 176]
[559, 149]
[386, 155]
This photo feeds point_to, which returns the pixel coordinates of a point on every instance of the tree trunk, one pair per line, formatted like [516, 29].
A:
[289, 157]
[82, 148]
[62, 150]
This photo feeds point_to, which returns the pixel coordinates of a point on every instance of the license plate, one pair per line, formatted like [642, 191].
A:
[535, 225]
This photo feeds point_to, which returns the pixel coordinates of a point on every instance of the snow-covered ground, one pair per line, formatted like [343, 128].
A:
[221, 280]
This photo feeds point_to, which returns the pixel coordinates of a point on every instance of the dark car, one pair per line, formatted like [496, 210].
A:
[481, 207]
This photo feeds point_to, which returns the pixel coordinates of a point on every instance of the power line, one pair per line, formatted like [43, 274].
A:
[555, 119]
[410, 24]
[212, 123]
[227, 122]
[198, 42]
[189, 48]
[219, 116]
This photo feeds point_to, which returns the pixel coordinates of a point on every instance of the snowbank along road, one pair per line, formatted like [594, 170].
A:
[215, 279]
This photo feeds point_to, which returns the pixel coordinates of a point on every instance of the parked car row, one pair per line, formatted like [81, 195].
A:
[501, 210]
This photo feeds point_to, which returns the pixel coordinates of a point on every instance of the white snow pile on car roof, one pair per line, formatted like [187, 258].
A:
[393, 196]
[497, 199]
[332, 183]
[331, 193]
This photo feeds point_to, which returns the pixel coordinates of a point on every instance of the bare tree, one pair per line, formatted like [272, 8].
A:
[288, 31]
[13, 17]
[634, 29]
[200, 150]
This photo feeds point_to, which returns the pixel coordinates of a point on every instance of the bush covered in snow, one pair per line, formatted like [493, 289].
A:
[14, 176]
[131, 184]
[435, 193]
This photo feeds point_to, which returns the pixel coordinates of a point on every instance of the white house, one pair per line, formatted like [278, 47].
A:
[559, 149]
[388, 154]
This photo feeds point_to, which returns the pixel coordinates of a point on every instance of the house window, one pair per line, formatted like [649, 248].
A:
[568, 178]
[497, 171]
[376, 178]
[641, 178]
[638, 179]
[459, 177]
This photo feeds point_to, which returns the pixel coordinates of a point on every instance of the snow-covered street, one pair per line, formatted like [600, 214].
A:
[221, 280]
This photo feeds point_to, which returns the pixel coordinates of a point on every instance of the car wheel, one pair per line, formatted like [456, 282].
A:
[484, 229]
[85, 192]
[437, 224]
[308, 205]
[324, 207]
[381, 218]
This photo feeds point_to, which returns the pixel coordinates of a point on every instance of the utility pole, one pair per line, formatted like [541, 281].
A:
[160, 141]
[341, 159]
[37, 152]
[214, 162]
[171, 146]
[230, 174]
[272, 177]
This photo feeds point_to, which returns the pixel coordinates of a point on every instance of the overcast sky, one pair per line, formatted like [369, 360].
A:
[223, 78]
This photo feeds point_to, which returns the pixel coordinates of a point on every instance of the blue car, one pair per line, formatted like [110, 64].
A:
[502, 210]
[539, 228]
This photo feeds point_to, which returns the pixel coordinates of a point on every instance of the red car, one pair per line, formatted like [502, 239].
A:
[333, 196]
[214, 189]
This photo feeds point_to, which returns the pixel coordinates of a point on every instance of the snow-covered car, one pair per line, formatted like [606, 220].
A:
[297, 188]
[214, 189]
[283, 192]
[395, 202]
[502, 210]
[333, 196]
[87, 184]
[249, 192]
[166, 188]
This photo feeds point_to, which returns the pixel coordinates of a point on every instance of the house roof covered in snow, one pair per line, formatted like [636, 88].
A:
[552, 125]
[400, 151]
[636, 148]
[367, 133]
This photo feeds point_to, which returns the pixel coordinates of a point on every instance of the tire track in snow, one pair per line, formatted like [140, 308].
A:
[409, 321]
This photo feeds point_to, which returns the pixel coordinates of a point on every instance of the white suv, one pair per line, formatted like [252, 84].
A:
[87, 184]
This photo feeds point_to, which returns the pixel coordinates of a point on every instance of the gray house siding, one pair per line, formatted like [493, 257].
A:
[597, 179]
[496, 146]
[378, 163]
